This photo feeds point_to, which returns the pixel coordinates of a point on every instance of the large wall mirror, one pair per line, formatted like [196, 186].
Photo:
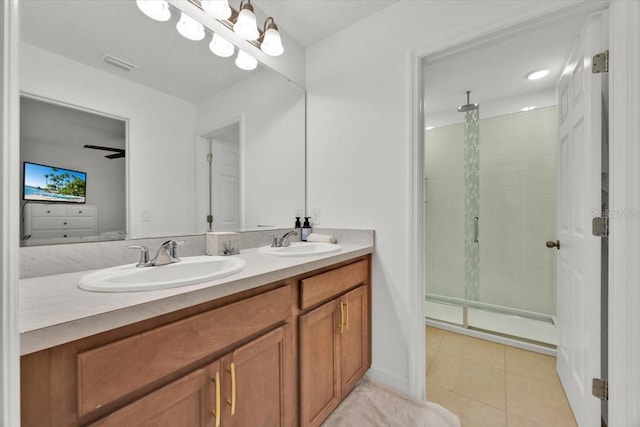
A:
[163, 132]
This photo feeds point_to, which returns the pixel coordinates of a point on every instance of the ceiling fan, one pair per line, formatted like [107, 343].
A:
[118, 152]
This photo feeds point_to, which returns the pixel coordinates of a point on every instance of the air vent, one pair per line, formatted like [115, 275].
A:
[123, 65]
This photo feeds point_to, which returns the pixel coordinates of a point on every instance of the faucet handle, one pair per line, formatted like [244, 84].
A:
[144, 255]
[275, 242]
[172, 245]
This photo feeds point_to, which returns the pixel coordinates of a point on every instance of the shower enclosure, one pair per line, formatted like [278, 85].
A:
[490, 197]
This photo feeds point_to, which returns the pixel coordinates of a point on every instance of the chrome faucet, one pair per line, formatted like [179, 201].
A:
[283, 241]
[167, 254]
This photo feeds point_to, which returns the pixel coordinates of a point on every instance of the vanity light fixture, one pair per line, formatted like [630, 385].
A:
[221, 46]
[271, 42]
[190, 28]
[245, 25]
[155, 9]
[244, 61]
[537, 74]
[219, 9]
[242, 22]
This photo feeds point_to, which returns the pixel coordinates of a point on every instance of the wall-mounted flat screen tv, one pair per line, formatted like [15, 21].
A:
[44, 183]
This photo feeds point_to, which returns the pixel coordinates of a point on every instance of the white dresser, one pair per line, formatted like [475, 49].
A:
[52, 221]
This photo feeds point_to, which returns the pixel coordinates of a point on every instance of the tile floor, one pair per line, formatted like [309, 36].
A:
[493, 385]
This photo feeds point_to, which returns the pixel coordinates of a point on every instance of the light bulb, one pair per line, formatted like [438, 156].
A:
[221, 46]
[244, 61]
[190, 28]
[245, 26]
[155, 9]
[272, 44]
[219, 9]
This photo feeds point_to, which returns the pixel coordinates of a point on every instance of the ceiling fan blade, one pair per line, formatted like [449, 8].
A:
[119, 152]
[100, 147]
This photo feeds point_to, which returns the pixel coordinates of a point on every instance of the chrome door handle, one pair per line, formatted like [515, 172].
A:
[552, 244]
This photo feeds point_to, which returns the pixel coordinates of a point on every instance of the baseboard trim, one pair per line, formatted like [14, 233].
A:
[392, 380]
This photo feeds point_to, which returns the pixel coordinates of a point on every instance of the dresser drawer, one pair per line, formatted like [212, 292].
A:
[57, 223]
[325, 286]
[112, 371]
[47, 210]
[83, 210]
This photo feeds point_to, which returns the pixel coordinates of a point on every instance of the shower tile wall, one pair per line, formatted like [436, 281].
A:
[517, 210]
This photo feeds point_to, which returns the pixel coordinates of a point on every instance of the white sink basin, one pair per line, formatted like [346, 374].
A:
[188, 271]
[302, 249]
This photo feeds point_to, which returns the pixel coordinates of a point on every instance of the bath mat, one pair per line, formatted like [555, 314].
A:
[373, 404]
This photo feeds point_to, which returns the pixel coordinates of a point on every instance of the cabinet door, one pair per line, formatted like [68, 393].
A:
[259, 382]
[354, 338]
[183, 403]
[319, 363]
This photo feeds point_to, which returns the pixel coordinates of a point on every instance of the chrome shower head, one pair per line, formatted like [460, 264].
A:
[468, 106]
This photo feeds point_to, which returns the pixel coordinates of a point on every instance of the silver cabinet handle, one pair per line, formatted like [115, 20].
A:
[476, 229]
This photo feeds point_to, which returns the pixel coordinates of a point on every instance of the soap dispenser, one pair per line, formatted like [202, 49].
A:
[306, 229]
[297, 225]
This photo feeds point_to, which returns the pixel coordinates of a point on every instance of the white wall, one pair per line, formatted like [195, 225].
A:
[272, 144]
[359, 142]
[160, 152]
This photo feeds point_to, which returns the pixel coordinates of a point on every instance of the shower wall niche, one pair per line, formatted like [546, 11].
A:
[517, 211]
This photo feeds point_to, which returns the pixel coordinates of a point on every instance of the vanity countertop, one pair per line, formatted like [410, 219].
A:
[54, 311]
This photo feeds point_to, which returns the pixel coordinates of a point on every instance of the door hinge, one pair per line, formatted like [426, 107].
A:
[600, 388]
[600, 226]
[600, 63]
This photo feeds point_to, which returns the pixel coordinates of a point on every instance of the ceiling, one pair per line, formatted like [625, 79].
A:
[495, 72]
[44, 122]
[85, 30]
[309, 21]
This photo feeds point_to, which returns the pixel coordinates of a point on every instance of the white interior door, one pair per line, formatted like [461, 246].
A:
[225, 188]
[579, 198]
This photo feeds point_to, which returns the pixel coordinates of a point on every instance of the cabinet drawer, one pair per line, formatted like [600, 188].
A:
[83, 210]
[57, 223]
[62, 234]
[322, 287]
[112, 371]
[46, 210]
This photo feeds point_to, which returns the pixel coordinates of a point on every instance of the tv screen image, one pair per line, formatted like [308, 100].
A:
[52, 184]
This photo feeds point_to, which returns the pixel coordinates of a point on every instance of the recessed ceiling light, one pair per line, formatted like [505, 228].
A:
[528, 108]
[428, 128]
[537, 74]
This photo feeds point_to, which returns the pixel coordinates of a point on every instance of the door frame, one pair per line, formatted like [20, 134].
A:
[9, 218]
[209, 131]
[624, 208]
[624, 181]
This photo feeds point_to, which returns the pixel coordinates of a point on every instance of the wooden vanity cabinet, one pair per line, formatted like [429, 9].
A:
[161, 370]
[335, 341]
[283, 354]
[248, 387]
[182, 403]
